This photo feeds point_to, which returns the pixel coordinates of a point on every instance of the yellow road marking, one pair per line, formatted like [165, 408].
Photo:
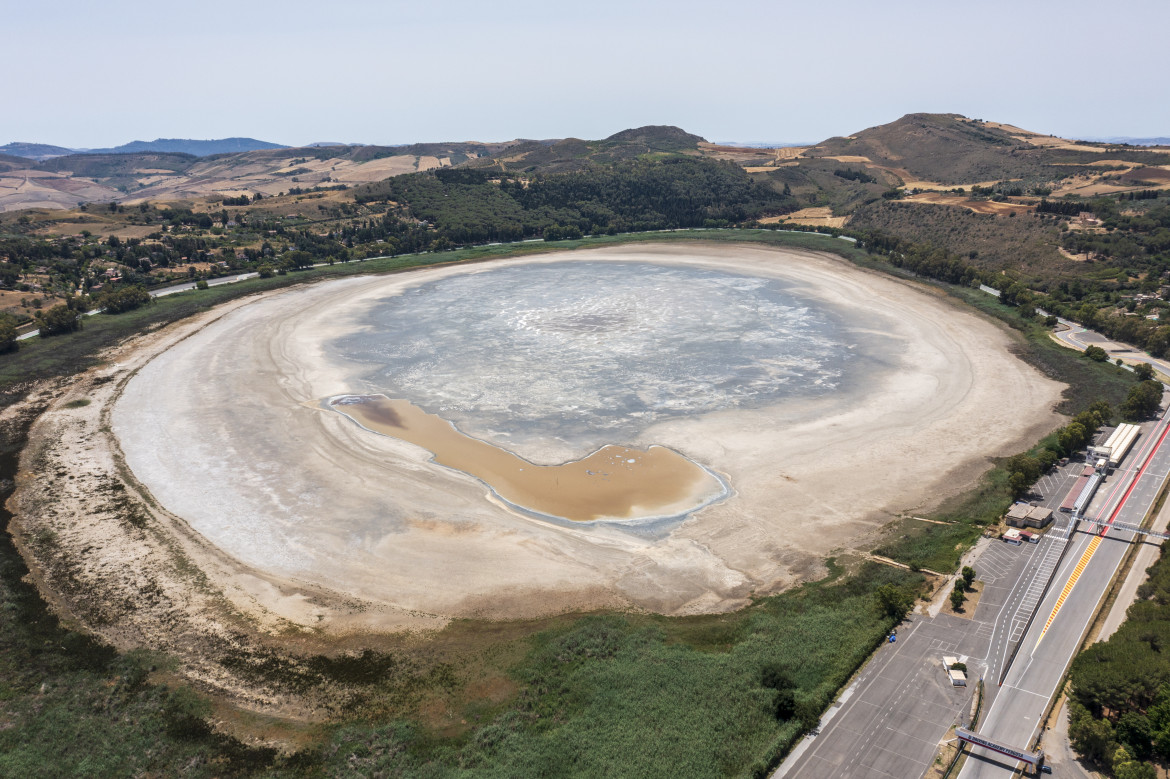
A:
[1072, 580]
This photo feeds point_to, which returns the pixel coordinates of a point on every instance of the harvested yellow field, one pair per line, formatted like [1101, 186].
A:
[374, 170]
[820, 216]
[961, 201]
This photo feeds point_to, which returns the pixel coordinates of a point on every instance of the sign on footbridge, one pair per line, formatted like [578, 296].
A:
[1031, 758]
[1098, 522]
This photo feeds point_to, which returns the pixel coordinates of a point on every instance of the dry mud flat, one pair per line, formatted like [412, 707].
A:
[214, 493]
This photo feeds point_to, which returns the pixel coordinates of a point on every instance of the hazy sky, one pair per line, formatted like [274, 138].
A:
[88, 74]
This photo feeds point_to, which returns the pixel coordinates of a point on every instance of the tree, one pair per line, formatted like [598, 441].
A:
[1103, 411]
[1096, 353]
[957, 597]
[1144, 371]
[1091, 738]
[1143, 401]
[894, 601]
[1072, 437]
[58, 320]
[1133, 730]
[299, 259]
[126, 299]
[968, 575]
[8, 342]
[1125, 767]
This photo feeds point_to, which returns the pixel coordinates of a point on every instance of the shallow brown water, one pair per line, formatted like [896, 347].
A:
[615, 482]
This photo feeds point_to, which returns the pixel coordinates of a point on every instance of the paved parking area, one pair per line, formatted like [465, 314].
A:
[891, 719]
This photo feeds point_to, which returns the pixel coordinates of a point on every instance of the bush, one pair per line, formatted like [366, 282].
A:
[1096, 353]
[184, 712]
[201, 284]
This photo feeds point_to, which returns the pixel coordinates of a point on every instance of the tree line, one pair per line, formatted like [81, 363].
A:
[1119, 709]
[672, 192]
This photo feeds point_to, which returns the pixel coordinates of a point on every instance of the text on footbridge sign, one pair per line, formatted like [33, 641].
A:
[1031, 758]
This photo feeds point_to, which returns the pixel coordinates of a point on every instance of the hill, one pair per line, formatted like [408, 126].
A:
[573, 154]
[949, 149]
[34, 151]
[188, 146]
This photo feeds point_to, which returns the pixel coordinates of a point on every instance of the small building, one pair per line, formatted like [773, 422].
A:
[1031, 538]
[1039, 517]
[958, 678]
[1012, 536]
[1017, 515]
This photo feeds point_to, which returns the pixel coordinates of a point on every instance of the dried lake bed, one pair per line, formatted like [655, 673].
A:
[821, 398]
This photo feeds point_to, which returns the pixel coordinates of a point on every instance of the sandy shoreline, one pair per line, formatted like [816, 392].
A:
[298, 494]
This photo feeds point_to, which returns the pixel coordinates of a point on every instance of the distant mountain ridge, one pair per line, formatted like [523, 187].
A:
[43, 151]
[189, 146]
[34, 151]
[1159, 141]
